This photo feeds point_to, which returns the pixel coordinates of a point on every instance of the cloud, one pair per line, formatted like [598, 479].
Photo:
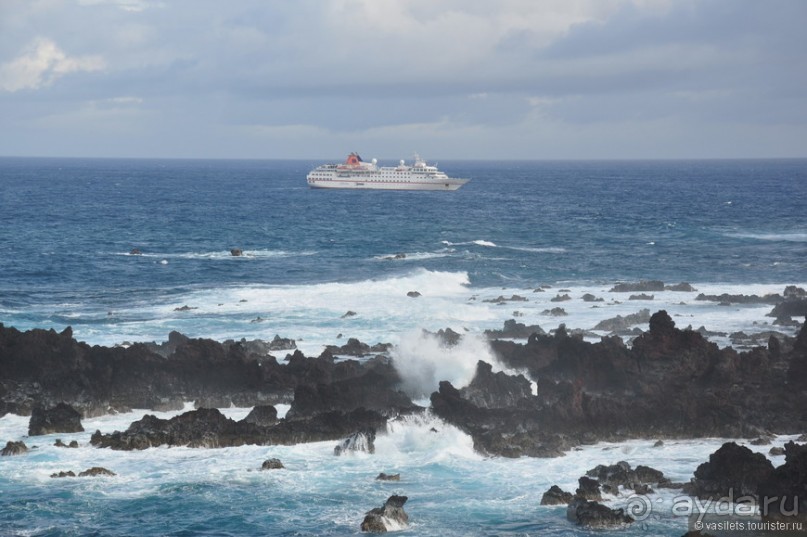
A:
[135, 6]
[521, 78]
[41, 64]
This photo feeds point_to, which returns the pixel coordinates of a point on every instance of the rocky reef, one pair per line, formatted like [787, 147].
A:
[42, 368]
[671, 383]
[388, 517]
[209, 428]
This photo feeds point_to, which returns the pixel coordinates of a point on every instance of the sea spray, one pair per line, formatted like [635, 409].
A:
[423, 359]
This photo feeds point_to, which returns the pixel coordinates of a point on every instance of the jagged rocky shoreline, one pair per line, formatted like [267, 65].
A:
[668, 383]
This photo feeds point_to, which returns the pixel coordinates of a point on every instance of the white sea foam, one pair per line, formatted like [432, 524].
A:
[221, 254]
[800, 236]
[315, 315]
[478, 242]
[450, 486]
[539, 250]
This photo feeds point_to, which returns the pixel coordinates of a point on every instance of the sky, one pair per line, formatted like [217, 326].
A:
[450, 79]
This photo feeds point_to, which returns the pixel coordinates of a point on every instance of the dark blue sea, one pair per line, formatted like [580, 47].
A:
[128, 250]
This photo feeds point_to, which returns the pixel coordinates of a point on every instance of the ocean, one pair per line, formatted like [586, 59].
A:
[539, 230]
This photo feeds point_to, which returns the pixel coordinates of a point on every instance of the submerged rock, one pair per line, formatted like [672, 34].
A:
[96, 471]
[388, 477]
[69, 473]
[389, 517]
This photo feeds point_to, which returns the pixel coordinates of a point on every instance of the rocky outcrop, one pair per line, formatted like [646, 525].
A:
[375, 390]
[638, 480]
[733, 471]
[60, 419]
[44, 368]
[620, 323]
[69, 473]
[588, 489]
[272, 464]
[590, 514]
[14, 448]
[96, 471]
[783, 495]
[388, 477]
[638, 287]
[361, 441]
[515, 330]
[354, 347]
[389, 517]
[670, 383]
[495, 390]
[556, 496]
[209, 428]
[263, 415]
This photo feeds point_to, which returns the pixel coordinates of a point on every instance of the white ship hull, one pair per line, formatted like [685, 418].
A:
[356, 174]
[381, 184]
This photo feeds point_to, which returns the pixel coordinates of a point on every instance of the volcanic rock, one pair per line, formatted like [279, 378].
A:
[680, 287]
[589, 489]
[556, 496]
[783, 495]
[69, 473]
[263, 415]
[390, 516]
[388, 477]
[619, 323]
[272, 464]
[14, 448]
[622, 475]
[96, 471]
[495, 390]
[354, 347]
[594, 515]
[210, 429]
[60, 419]
[733, 471]
[363, 441]
[639, 287]
[515, 330]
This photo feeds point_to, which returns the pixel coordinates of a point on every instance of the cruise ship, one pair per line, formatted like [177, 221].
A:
[355, 173]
